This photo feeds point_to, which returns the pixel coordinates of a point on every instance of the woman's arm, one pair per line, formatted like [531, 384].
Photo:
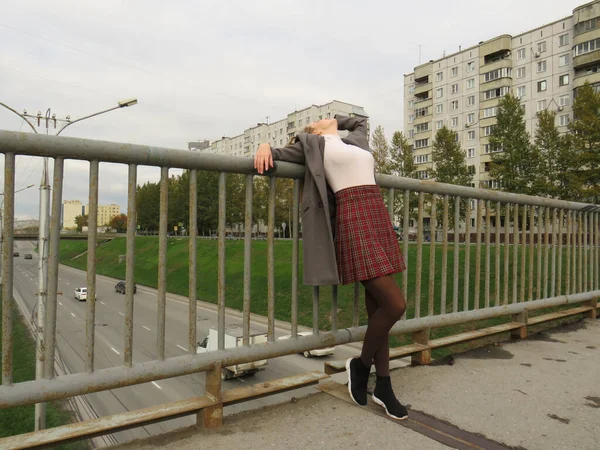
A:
[352, 124]
[265, 155]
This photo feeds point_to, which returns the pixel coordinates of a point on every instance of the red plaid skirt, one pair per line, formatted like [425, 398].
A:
[365, 243]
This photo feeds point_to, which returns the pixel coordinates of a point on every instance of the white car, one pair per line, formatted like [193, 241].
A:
[307, 354]
[81, 294]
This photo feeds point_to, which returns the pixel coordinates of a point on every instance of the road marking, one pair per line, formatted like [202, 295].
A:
[60, 303]
[146, 328]
[103, 303]
[182, 348]
[157, 385]
[114, 350]
[73, 315]
[121, 314]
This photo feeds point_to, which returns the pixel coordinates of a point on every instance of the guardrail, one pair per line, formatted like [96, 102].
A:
[536, 231]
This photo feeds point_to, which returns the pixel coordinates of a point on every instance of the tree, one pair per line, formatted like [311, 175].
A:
[119, 223]
[148, 206]
[381, 151]
[81, 221]
[402, 162]
[514, 158]
[449, 160]
[557, 175]
[585, 135]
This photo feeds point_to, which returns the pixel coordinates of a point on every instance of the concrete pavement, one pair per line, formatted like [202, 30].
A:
[539, 393]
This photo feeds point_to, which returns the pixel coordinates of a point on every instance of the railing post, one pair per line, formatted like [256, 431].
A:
[212, 417]
[591, 314]
[424, 356]
[520, 333]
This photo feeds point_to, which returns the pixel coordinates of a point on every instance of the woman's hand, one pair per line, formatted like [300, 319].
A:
[264, 158]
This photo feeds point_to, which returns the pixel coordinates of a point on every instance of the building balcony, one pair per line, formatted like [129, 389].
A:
[422, 119]
[580, 80]
[586, 59]
[422, 88]
[424, 103]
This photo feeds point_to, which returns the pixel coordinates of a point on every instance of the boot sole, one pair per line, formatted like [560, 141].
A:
[350, 382]
[380, 403]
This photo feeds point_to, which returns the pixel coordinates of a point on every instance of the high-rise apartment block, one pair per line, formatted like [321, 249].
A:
[278, 133]
[543, 67]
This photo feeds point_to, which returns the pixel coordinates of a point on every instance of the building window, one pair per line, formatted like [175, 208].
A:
[521, 72]
[471, 169]
[411, 118]
[521, 53]
[541, 47]
[471, 83]
[420, 159]
[541, 66]
[454, 105]
[490, 112]
[454, 122]
[422, 127]
[541, 105]
[439, 109]
[421, 112]
[563, 60]
[563, 100]
[471, 135]
[587, 47]
[542, 86]
[587, 25]
[439, 93]
[454, 71]
[470, 66]
[411, 133]
[498, 73]
[280, 141]
[411, 104]
[564, 120]
[563, 80]
[439, 76]
[439, 125]
[471, 119]
[521, 91]
[455, 88]
[494, 93]
[421, 143]
[411, 89]
[471, 153]
[470, 100]
[488, 130]
[422, 174]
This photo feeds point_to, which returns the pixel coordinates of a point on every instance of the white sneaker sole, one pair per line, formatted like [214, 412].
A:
[380, 403]
[350, 382]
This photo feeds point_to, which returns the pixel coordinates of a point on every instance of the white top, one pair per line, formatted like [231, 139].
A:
[347, 165]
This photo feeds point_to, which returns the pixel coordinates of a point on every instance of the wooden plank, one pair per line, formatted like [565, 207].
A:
[107, 424]
[471, 335]
[244, 393]
[558, 315]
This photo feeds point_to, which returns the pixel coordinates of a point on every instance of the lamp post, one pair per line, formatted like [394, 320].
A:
[43, 240]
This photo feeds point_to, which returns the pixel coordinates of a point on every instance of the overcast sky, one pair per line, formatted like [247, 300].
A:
[205, 69]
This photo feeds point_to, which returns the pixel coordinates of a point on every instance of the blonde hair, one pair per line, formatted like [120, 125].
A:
[309, 129]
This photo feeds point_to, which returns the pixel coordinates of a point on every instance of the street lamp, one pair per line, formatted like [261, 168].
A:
[40, 408]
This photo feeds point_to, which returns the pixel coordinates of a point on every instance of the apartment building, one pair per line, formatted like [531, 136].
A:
[278, 133]
[74, 208]
[543, 67]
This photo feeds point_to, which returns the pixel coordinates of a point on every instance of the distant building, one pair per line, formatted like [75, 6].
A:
[281, 131]
[74, 208]
[105, 213]
[198, 145]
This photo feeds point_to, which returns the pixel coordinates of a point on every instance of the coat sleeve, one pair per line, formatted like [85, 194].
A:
[352, 124]
[293, 153]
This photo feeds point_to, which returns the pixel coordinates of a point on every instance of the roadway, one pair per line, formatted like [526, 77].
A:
[110, 327]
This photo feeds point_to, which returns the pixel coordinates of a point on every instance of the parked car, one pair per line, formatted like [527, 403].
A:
[81, 294]
[120, 287]
[317, 352]
[28, 256]
[16, 254]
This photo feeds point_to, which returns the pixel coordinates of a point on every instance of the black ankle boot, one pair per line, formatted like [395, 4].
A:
[358, 378]
[384, 396]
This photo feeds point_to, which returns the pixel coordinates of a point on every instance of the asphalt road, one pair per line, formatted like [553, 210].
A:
[110, 320]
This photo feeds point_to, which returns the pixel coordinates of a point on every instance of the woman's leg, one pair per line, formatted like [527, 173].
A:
[382, 355]
[390, 307]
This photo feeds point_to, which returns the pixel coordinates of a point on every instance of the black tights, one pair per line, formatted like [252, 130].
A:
[385, 305]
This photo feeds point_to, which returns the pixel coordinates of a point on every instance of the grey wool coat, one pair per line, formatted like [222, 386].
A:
[318, 206]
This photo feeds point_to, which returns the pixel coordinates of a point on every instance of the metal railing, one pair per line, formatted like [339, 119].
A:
[504, 231]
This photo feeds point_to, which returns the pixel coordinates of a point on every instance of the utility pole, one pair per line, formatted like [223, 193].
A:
[43, 240]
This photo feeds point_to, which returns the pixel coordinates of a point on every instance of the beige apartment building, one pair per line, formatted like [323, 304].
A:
[74, 208]
[543, 67]
[278, 133]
